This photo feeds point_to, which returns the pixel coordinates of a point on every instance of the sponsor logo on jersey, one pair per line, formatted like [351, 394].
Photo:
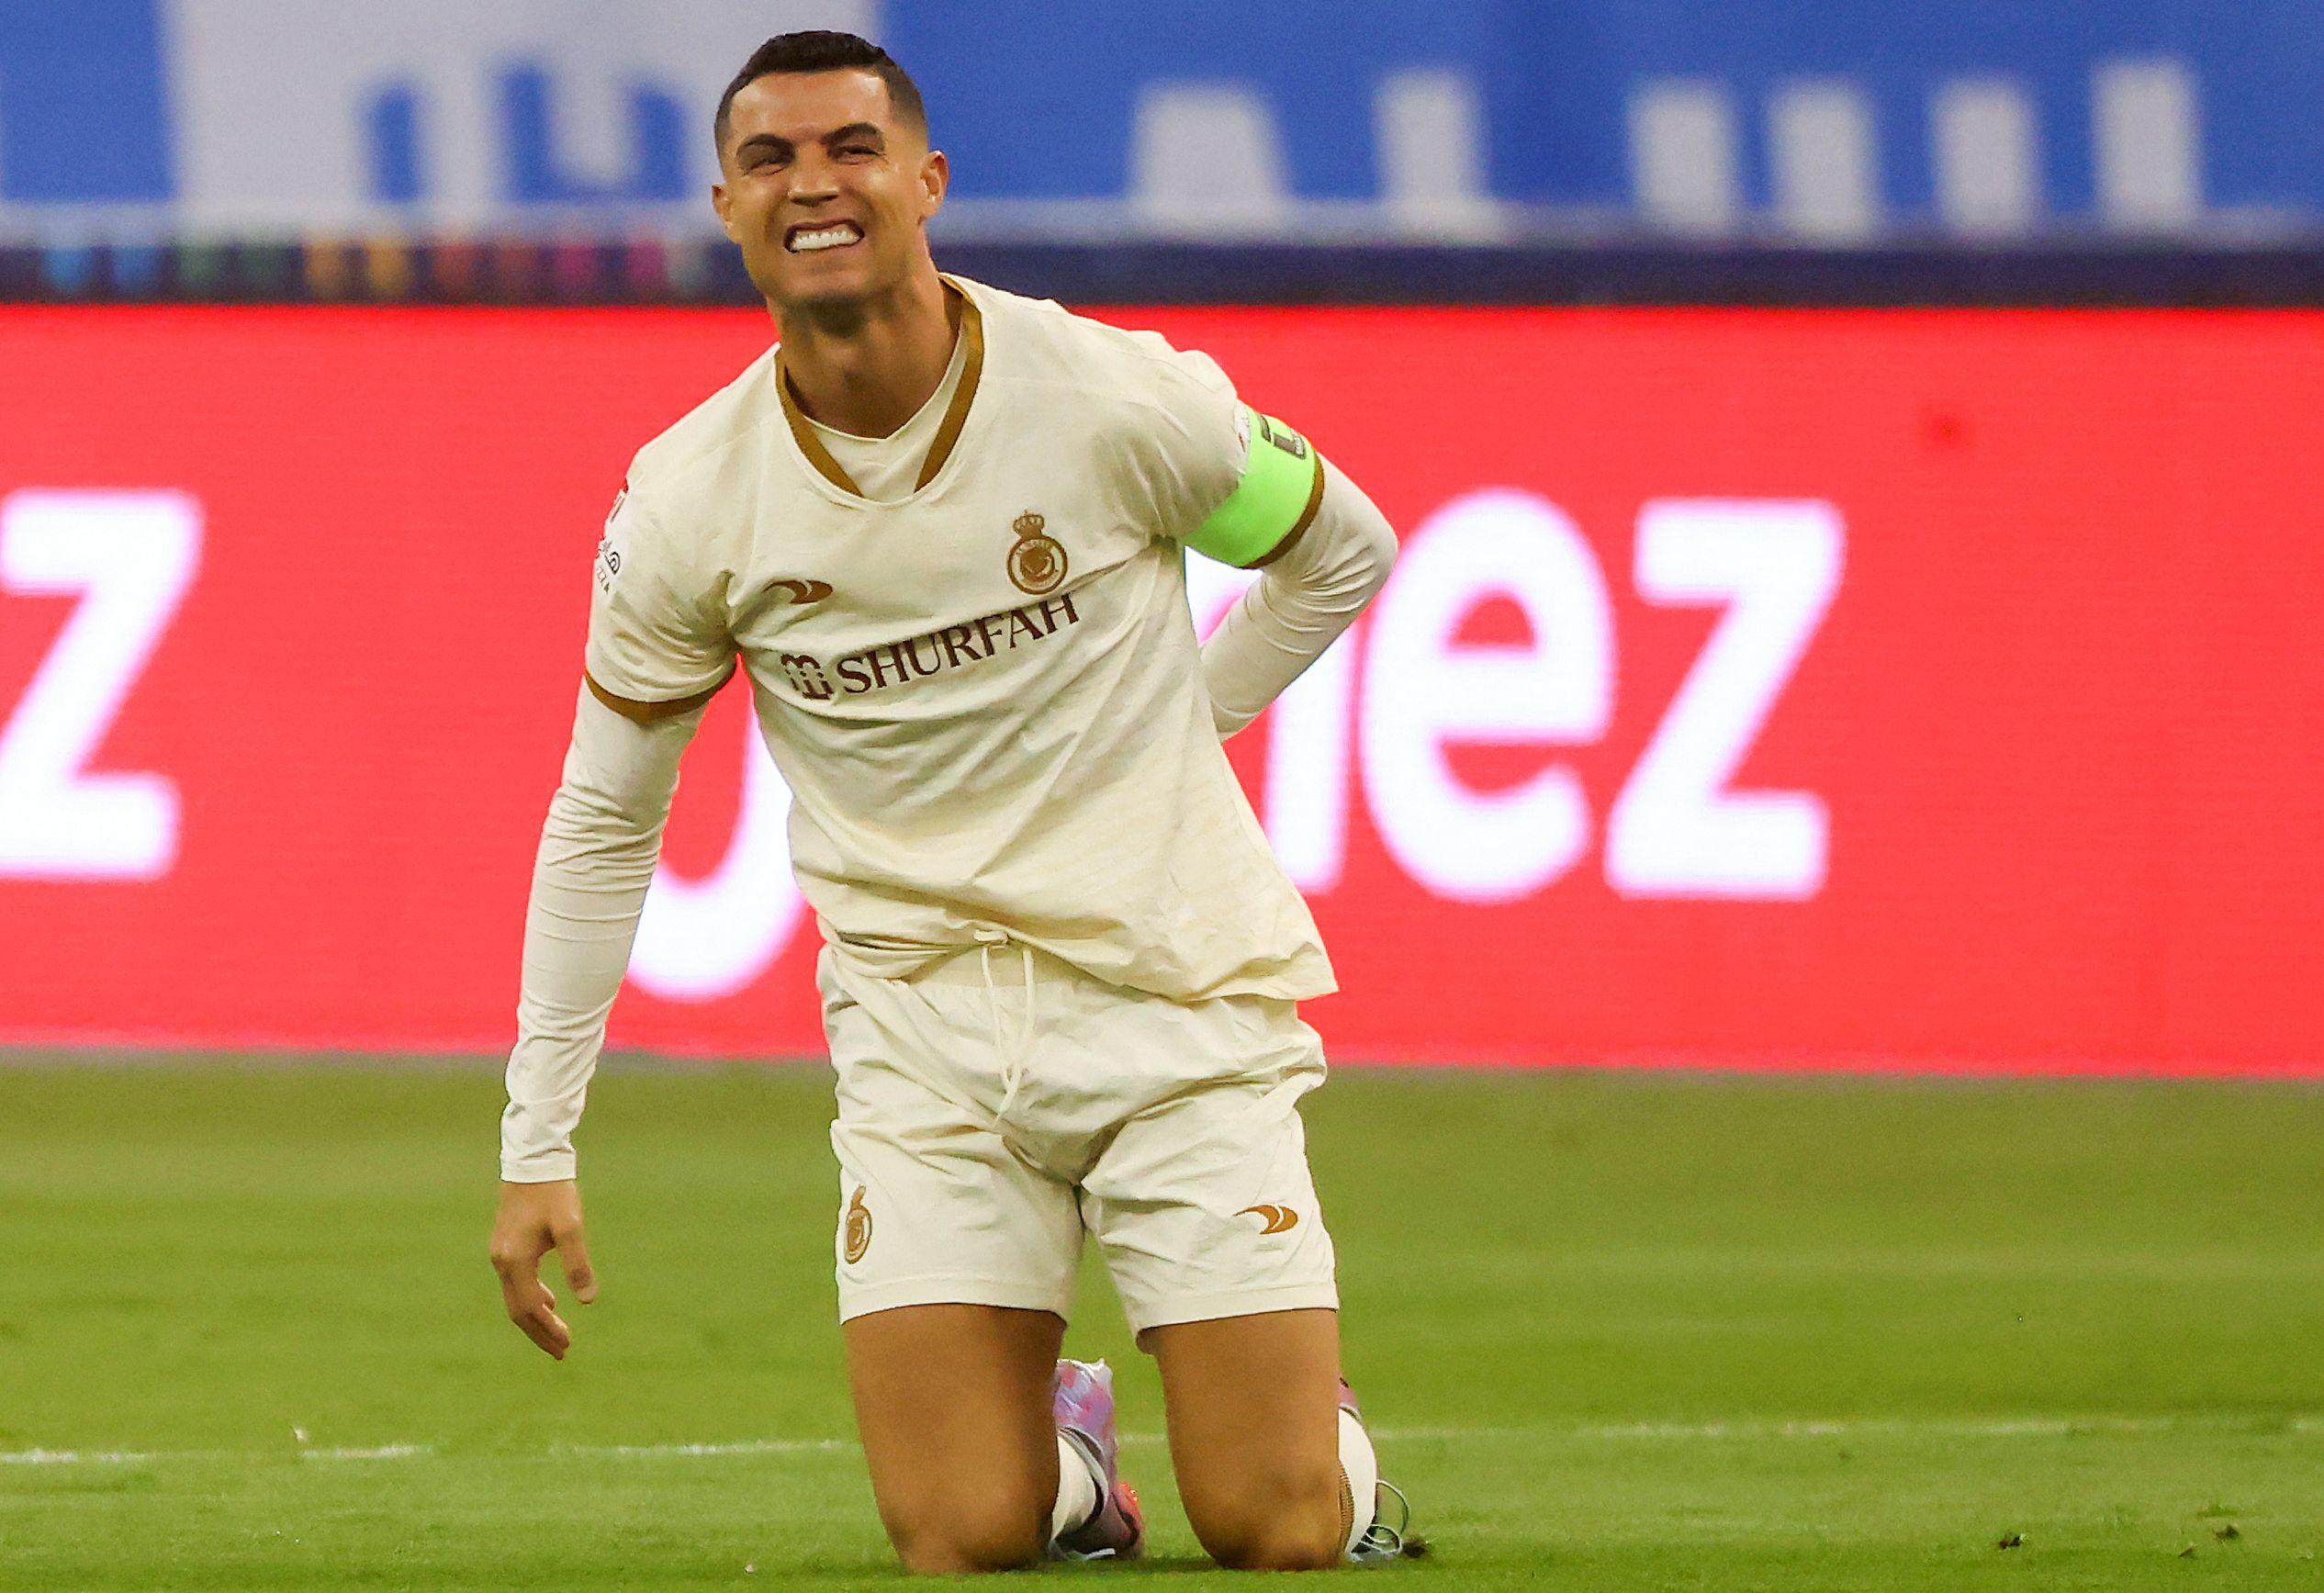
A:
[1037, 560]
[1278, 1219]
[859, 1229]
[802, 592]
[929, 654]
[807, 676]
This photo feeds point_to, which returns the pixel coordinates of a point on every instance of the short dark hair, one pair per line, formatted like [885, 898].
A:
[821, 50]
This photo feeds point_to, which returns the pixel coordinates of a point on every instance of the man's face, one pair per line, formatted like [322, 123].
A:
[826, 189]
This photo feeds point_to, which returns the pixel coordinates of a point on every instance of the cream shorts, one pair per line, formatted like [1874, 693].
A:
[998, 1106]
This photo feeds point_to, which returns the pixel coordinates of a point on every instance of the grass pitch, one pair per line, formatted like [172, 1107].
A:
[1614, 1332]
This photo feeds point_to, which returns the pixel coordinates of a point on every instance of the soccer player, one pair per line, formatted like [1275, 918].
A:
[942, 528]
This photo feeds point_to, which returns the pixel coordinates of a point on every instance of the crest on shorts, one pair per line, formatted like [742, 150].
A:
[1037, 560]
[859, 1229]
[1278, 1219]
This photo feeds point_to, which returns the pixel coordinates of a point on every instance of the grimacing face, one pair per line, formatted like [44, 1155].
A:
[825, 187]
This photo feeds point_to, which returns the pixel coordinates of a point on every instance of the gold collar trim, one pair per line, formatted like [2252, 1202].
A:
[947, 434]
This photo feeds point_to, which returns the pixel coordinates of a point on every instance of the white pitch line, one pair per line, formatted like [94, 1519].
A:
[74, 1457]
[384, 1452]
[2019, 1427]
[748, 1446]
[1648, 1431]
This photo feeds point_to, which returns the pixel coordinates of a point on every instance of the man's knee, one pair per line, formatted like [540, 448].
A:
[957, 1536]
[1297, 1522]
[956, 1548]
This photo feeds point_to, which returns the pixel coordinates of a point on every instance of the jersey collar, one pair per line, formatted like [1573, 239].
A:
[956, 414]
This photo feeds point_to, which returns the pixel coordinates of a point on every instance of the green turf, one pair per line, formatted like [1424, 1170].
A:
[1617, 1332]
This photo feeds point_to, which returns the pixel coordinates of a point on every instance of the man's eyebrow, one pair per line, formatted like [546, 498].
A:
[779, 145]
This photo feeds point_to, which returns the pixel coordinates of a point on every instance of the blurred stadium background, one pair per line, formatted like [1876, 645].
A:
[1820, 837]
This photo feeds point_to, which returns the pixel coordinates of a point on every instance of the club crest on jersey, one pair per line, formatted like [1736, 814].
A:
[1037, 560]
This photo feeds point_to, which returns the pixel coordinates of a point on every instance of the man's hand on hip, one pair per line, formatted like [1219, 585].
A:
[536, 1218]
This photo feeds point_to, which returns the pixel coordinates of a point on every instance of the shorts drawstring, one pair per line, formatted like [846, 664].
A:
[1013, 1058]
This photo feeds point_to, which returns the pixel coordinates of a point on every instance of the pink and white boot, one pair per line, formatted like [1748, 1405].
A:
[1380, 1517]
[1082, 1400]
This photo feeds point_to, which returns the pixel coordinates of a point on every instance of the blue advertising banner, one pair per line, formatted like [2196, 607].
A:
[1819, 121]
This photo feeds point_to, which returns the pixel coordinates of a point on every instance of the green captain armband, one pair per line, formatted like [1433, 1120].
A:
[1281, 484]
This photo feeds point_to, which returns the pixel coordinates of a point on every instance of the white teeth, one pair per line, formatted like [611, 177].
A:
[822, 238]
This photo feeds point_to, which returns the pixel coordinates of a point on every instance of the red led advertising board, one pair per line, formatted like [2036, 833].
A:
[1931, 690]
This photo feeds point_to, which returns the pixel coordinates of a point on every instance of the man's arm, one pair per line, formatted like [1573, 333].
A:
[1246, 490]
[1311, 586]
[598, 849]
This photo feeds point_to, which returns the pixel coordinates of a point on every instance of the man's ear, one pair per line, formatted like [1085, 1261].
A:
[935, 176]
[723, 203]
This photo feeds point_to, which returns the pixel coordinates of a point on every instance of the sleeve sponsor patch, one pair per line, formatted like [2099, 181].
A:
[609, 546]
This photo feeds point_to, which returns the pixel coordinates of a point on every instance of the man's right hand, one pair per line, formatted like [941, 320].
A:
[536, 1218]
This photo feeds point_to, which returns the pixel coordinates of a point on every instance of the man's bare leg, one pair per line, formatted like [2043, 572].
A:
[953, 1404]
[1254, 1434]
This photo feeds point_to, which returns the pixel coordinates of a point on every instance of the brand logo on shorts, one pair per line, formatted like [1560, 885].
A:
[1036, 564]
[1278, 1219]
[859, 1229]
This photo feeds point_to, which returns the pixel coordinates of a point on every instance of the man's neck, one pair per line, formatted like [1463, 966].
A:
[867, 369]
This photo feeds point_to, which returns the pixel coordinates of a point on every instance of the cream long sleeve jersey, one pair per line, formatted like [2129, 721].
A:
[985, 695]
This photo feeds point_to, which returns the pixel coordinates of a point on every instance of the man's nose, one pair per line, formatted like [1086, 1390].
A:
[815, 179]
